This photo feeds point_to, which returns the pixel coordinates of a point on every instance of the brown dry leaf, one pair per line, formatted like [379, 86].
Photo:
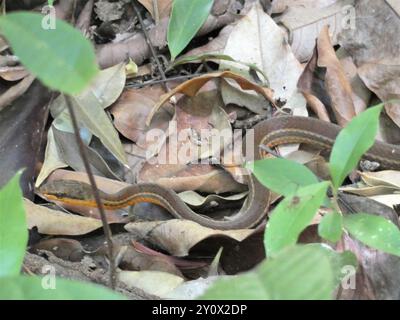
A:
[13, 73]
[164, 7]
[134, 260]
[305, 19]
[132, 109]
[191, 87]
[179, 262]
[202, 178]
[361, 95]
[267, 48]
[66, 249]
[178, 237]
[53, 222]
[156, 283]
[377, 56]
[336, 83]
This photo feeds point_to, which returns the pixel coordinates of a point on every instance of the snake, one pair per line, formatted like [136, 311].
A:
[271, 133]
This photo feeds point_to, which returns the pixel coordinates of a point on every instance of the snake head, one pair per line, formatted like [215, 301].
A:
[61, 189]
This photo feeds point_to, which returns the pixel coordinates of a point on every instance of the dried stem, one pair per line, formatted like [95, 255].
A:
[95, 190]
[152, 49]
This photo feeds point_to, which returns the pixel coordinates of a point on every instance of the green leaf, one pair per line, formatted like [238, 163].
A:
[375, 231]
[13, 228]
[331, 227]
[187, 17]
[292, 216]
[61, 58]
[352, 142]
[282, 176]
[299, 272]
[34, 288]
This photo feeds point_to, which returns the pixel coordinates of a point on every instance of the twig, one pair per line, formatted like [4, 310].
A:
[158, 81]
[95, 191]
[156, 12]
[152, 49]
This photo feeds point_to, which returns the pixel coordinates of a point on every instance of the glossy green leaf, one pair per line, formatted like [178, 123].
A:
[299, 272]
[352, 142]
[187, 17]
[282, 176]
[61, 58]
[35, 288]
[374, 231]
[292, 216]
[331, 227]
[13, 228]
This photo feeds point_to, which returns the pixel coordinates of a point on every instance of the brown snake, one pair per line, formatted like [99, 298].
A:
[273, 132]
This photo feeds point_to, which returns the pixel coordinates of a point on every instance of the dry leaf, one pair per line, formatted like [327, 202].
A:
[191, 87]
[179, 236]
[266, 47]
[53, 222]
[374, 46]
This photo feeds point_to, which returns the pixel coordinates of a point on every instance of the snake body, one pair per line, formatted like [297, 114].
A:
[271, 133]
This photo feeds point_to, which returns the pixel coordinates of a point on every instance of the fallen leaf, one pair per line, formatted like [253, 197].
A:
[377, 56]
[163, 6]
[304, 21]
[53, 222]
[336, 84]
[153, 282]
[66, 249]
[191, 87]
[179, 236]
[268, 50]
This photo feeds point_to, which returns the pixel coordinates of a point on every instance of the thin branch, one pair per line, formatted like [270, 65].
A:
[150, 44]
[158, 81]
[95, 191]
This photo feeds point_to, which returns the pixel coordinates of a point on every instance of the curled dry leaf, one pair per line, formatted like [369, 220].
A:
[191, 87]
[337, 85]
[134, 260]
[388, 178]
[178, 237]
[201, 177]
